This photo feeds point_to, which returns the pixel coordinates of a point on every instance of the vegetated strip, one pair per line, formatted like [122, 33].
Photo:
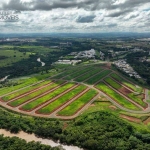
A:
[88, 75]
[22, 100]
[116, 96]
[34, 104]
[78, 104]
[25, 91]
[48, 109]
[72, 70]
[132, 96]
[98, 77]
[126, 83]
[112, 83]
[23, 83]
[77, 73]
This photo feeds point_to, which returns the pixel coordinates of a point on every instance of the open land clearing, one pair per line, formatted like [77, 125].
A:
[69, 93]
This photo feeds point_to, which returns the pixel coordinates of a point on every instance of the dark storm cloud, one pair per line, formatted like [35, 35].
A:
[90, 5]
[85, 19]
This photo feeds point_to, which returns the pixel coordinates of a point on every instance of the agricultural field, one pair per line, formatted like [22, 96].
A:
[115, 96]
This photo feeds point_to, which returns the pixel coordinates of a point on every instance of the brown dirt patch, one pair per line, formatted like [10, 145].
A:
[65, 125]
[113, 107]
[92, 105]
[124, 91]
[146, 121]
[132, 119]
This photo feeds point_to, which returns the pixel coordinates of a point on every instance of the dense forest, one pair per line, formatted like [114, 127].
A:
[96, 131]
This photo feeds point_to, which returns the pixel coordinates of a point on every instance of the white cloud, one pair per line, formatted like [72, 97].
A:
[109, 18]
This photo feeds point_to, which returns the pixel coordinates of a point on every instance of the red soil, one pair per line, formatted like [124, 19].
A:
[129, 118]
[124, 91]
[146, 121]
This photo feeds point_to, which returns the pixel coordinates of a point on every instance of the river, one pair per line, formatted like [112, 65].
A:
[32, 137]
[39, 60]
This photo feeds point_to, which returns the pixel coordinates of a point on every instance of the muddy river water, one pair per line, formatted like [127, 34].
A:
[32, 137]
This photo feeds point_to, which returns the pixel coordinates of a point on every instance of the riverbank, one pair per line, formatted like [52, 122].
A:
[32, 137]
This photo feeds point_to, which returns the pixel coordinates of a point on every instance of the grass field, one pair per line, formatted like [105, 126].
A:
[77, 73]
[15, 94]
[11, 56]
[22, 83]
[20, 101]
[135, 97]
[63, 99]
[98, 77]
[125, 82]
[88, 75]
[112, 83]
[31, 105]
[117, 97]
[72, 108]
[65, 73]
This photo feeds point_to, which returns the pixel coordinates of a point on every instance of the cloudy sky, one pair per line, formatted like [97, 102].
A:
[76, 16]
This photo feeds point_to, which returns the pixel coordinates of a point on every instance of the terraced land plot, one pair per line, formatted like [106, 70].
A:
[24, 91]
[98, 77]
[127, 83]
[138, 98]
[62, 100]
[34, 104]
[77, 73]
[67, 72]
[26, 98]
[77, 104]
[116, 96]
[88, 75]
[23, 83]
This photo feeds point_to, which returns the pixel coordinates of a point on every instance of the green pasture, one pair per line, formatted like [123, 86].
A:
[63, 99]
[98, 77]
[11, 56]
[117, 97]
[22, 100]
[48, 97]
[72, 108]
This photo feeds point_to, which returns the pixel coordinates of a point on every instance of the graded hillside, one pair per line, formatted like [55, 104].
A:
[72, 90]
